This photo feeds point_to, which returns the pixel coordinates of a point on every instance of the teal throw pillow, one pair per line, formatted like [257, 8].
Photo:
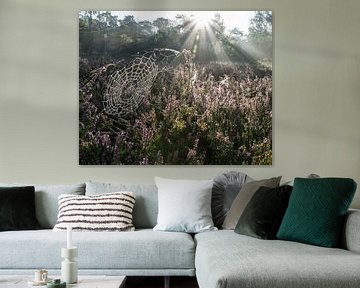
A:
[316, 211]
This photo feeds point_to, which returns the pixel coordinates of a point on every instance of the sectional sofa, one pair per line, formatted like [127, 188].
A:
[219, 259]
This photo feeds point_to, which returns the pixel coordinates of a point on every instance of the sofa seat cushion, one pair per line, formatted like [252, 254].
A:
[226, 259]
[141, 249]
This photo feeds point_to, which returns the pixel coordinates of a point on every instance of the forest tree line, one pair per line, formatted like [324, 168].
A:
[103, 34]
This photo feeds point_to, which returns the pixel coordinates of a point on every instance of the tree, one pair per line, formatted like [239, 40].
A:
[106, 20]
[260, 33]
[218, 24]
[237, 35]
[166, 33]
[261, 23]
[87, 17]
[86, 25]
[162, 23]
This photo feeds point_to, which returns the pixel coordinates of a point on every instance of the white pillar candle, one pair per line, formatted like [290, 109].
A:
[69, 237]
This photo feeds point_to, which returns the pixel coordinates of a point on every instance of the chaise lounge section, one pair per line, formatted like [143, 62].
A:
[225, 259]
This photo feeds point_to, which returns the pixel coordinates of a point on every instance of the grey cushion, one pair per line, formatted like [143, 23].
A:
[226, 187]
[248, 262]
[243, 198]
[351, 234]
[311, 176]
[46, 200]
[146, 204]
[184, 205]
[144, 249]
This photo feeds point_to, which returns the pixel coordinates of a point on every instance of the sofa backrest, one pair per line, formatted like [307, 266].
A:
[46, 200]
[146, 203]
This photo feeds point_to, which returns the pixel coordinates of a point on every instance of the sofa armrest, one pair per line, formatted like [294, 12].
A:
[351, 234]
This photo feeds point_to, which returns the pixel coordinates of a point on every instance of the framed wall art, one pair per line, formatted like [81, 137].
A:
[175, 87]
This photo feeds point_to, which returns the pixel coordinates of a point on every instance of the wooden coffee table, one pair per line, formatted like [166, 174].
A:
[84, 281]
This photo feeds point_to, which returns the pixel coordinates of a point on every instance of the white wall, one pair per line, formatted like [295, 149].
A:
[316, 90]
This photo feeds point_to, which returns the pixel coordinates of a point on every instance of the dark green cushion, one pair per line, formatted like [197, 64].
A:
[17, 208]
[316, 211]
[264, 213]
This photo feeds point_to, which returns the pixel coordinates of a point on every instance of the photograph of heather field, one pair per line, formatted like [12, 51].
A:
[175, 87]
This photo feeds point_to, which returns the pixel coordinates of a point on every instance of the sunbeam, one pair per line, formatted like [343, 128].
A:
[202, 37]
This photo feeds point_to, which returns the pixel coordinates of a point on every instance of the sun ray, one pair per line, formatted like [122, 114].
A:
[191, 39]
[218, 49]
[201, 35]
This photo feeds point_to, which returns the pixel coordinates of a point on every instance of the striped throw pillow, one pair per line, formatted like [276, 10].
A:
[105, 212]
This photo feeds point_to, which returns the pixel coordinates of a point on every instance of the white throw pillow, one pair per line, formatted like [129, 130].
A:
[184, 205]
[105, 212]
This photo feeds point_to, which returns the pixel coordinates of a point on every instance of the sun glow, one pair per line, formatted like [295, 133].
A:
[202, 35]
[203, 18]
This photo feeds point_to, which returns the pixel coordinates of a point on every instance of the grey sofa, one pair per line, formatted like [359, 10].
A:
[143, 252]
[226, 259]
[218, 259]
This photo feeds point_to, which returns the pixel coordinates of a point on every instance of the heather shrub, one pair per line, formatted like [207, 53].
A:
[198, 114]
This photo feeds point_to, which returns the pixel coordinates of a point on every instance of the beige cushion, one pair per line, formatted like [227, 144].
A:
[243, 198]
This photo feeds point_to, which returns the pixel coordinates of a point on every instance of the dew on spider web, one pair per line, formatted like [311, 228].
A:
[128, 87]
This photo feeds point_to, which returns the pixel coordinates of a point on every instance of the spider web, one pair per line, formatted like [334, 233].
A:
[131, 85]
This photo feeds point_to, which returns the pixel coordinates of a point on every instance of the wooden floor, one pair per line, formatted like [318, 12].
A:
[158, 282]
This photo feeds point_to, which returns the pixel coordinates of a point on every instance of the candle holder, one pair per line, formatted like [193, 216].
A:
[69, 271]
